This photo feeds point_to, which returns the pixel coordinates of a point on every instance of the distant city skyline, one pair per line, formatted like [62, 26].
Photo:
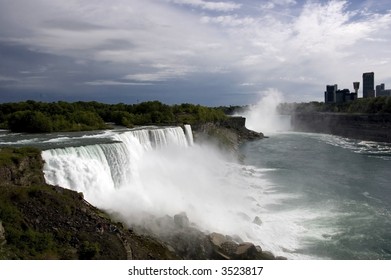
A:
[335, 95]
[208, 52]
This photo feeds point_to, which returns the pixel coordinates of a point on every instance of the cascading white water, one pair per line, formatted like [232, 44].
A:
[157, 172]
[189, 134]
[97, 167]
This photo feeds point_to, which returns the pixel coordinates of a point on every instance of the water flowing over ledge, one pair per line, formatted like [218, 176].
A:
[108, 165]
[152, 173]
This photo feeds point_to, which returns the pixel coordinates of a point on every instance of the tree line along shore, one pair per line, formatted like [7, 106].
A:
[40, 117]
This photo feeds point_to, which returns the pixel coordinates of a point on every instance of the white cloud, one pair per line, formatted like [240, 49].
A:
[230, 20]
[158, 76]
[209, 5]
[325, 28]
[314, 48]
[275, 3]
[115, 83]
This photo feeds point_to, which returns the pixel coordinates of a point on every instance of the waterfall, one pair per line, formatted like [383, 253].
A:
[108, 166]
[153, 172]
[189, 134]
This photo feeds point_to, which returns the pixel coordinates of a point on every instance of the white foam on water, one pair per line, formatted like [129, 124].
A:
[58, 140]
[21, 142]
[370, 148]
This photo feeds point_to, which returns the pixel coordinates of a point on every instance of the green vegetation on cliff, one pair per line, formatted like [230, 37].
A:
[21, 167]
[37, 117]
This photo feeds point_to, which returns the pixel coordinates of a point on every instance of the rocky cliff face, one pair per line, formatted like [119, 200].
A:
[227, 135]
[21, 167]
[371, 127]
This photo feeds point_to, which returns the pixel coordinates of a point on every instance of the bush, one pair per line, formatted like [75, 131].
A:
[89, 119]
[29, 121]
[88, 250]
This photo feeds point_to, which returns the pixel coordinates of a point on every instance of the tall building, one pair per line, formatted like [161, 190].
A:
[342, 96]
[379, 89]
[386, 92]
[335, 95]
[330, 95]
[368, 85]
[356, 86]
[382, 91]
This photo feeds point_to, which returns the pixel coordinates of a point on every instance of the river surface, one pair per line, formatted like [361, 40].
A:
[335, 193]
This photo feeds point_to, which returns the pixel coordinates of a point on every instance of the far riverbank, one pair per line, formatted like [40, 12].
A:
[368, 127]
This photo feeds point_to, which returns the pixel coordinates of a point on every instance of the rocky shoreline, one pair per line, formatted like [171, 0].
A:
[40, 221]
[190, 243]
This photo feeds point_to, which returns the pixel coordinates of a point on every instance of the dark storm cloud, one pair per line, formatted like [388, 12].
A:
[23, 69]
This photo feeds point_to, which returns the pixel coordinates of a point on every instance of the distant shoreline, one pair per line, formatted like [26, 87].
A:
[368, 127]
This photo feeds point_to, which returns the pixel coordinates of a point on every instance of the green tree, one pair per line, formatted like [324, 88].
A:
[29, 121]
[87, 118]
[122, 118]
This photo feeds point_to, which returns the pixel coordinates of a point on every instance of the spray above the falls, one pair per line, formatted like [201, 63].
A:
[263, 116]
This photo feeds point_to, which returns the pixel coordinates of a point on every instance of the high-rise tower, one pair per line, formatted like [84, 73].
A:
[379, 89]
[356, 86]
[368, 85]
[330, 95]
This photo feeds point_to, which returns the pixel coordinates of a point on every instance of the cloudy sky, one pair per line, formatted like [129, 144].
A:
[210, 52]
